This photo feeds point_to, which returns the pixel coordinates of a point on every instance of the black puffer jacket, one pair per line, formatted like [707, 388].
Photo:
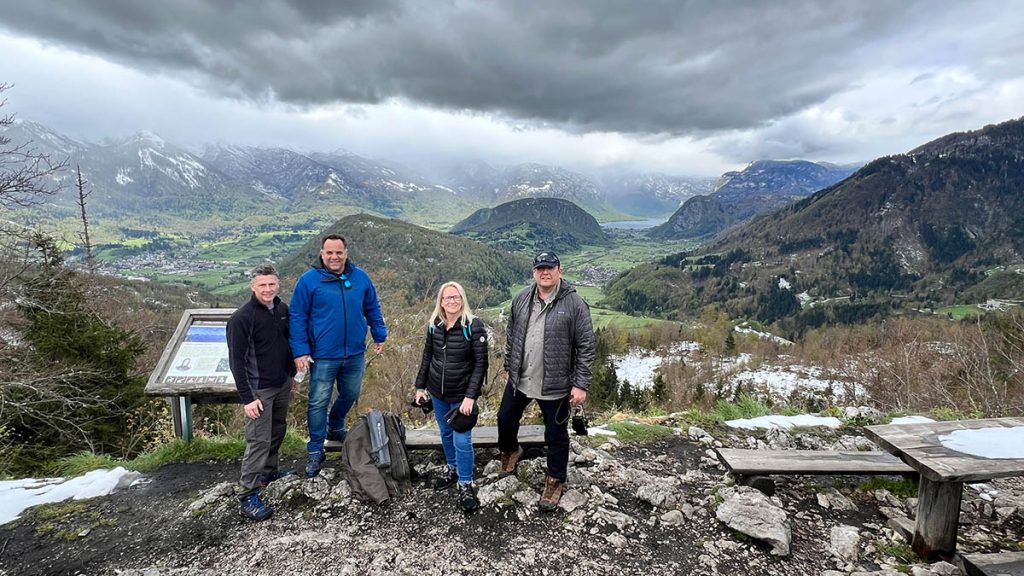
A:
[454, 361]
[568, 340]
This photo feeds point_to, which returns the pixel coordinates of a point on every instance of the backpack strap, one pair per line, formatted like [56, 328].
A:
[467, 331]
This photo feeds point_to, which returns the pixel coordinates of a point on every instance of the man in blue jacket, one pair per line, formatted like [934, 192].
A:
[331, 308]
[261, 364]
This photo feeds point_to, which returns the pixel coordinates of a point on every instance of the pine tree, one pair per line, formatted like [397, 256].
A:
[86, 386]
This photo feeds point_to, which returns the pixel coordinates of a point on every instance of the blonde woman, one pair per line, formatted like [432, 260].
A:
[451, 375]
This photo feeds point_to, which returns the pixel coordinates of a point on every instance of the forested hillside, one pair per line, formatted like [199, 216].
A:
[413, 262]
[533, 224]
[938, 225]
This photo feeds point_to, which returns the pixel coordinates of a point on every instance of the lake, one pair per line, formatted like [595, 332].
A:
[635, 224]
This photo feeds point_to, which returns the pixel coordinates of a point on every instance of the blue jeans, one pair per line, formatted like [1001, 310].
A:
[348, 374]
[458, 446]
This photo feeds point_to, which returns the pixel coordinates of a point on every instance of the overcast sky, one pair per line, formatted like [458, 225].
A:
[687, 87]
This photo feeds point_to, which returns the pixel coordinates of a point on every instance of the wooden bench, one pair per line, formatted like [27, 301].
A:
[999, 564]
[483, 437]
[750, 467]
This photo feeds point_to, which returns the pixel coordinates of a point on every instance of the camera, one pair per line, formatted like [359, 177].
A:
[426, 405]
[580, 424]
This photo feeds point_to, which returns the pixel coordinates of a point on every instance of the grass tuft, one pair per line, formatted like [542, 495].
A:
[637, 433]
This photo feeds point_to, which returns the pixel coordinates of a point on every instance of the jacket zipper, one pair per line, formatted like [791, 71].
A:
[344, 315]
[444, 360]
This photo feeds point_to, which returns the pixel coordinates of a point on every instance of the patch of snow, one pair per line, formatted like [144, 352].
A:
[638, 365]
[17, 495]
[987, 442]
[782, 381]
[745, 329]
[785, 422]
[602, 430]
[783, 283]
[123, 176]
[911, 420]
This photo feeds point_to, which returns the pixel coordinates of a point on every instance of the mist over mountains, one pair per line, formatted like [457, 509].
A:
[146, 176]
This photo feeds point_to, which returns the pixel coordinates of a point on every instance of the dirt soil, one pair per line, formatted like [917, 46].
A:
[149, 527]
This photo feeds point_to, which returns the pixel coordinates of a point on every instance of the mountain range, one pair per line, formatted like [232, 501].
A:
[145, 177]
[762, 186]
[940, 224]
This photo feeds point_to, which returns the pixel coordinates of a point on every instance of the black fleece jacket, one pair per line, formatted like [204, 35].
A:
[258, 349]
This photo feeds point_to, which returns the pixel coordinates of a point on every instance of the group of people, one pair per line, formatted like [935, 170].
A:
[548, 354]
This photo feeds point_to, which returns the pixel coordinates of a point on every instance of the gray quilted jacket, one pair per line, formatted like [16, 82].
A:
[568, 340]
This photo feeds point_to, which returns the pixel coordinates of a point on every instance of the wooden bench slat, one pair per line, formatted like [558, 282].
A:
[766, 462]
[483, 437]
[1008, 563]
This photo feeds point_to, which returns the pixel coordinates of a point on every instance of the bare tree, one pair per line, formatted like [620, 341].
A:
[26, 174]
[27, 178]
[82, 195]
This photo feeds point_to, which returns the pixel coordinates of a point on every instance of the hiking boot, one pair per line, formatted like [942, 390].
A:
[337, 435]
[445, 479]
[509, 461]
[553, 488]
[467, 497]
[254, 509]
[268, 477]
[314, 463]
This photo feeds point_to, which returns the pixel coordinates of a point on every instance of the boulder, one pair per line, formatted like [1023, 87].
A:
[752, 513]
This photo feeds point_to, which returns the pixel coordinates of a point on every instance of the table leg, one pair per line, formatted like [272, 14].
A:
[938, 515]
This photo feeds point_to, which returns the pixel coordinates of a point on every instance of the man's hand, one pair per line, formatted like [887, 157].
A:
[422, 396]
[254, 409]
[467, 406]
[302, 364]
[378, 347]
[577, 396]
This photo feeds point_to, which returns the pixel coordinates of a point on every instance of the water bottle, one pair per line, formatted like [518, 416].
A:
[300, 376]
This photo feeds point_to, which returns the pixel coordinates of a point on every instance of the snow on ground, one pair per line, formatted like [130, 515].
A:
[638, 365]
[782, 381]
[17, 495]
[987, 442]
[911, 420]
[786, 422]
[745, 329]
[776, 421]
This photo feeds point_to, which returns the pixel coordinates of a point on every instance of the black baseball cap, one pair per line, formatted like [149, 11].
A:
[546, 260]
[461, 422]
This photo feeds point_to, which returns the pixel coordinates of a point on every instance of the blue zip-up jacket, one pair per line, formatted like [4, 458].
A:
[330, 314]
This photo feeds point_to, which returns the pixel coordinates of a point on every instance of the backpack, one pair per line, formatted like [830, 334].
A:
[375, 458]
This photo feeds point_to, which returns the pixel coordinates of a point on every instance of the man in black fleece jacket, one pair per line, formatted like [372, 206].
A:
[261, 364]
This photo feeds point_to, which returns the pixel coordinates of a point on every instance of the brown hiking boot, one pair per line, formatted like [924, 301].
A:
[553, 488]
[509, 461]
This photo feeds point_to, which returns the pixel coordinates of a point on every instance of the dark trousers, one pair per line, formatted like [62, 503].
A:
[556, 429]
[263, 437]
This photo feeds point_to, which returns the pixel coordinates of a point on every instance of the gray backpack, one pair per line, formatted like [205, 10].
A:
[375, 458]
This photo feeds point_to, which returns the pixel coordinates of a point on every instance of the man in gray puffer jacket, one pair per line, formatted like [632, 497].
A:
[549, 350]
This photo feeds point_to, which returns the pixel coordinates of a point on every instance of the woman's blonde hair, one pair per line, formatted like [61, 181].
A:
[438, 314]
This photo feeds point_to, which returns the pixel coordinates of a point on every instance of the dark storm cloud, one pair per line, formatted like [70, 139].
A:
[637, 67]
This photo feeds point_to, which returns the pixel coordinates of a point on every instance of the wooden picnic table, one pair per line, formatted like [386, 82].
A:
[943, 473]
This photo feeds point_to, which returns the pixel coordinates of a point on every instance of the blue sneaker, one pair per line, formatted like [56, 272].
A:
[254, 509]
[314, 463]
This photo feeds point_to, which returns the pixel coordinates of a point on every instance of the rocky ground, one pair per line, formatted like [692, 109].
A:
[666, 507]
